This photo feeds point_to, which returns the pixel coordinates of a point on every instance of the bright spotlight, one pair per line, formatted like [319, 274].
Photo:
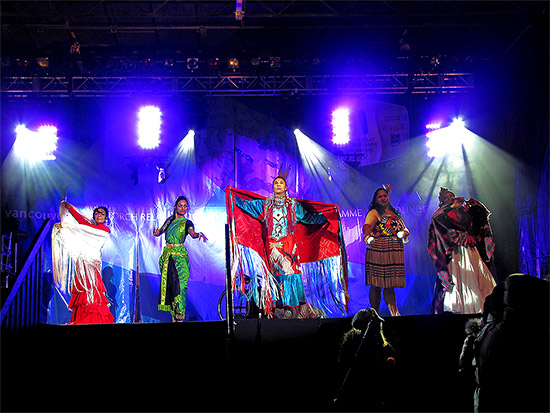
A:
[233, 63]
[340, 126]
[300, 136]
[308, 149]
[433, 126]
[149, 121]
[458, 122]
[449, 140]
[163, 174]
[36, 146]
[186, 148]
[188, 142]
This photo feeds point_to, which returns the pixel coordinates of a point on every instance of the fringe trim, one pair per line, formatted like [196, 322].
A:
[76, 258]
[263, 287]
[325, 283]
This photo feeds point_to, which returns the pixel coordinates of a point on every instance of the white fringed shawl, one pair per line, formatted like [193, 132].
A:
[76, 253]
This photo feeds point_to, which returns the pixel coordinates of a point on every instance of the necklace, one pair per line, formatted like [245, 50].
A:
[279, 202]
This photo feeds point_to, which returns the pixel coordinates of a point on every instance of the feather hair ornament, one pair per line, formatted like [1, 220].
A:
[283, 173]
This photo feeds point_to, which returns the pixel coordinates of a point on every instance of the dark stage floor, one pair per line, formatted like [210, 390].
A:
[271, 365]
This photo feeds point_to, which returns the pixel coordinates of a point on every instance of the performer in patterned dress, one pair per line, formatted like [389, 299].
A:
[461, 245]
[76, 256]
[385, 233]
[277, 246]
[174, 261]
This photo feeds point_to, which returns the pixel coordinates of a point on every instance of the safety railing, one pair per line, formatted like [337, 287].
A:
[22, 307]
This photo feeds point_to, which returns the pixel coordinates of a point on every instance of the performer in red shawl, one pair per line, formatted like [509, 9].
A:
[385, 232]
[76, 250]
[271, 239]
[460, 243]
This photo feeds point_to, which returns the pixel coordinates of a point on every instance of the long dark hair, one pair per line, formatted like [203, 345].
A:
[390, 206]
[178, 199]
[172, 217]
[107, 220]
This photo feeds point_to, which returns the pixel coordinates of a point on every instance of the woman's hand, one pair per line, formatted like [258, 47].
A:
[156, 232]
[198, 235]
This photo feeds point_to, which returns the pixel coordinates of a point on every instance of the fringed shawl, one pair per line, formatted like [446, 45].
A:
[321, 247]
[76, 256]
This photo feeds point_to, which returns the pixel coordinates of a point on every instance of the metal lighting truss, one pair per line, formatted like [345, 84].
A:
[236, 85]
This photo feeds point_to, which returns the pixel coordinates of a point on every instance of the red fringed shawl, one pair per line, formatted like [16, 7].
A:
[315, 243]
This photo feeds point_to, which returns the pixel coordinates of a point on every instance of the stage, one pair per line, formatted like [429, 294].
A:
[268, 365]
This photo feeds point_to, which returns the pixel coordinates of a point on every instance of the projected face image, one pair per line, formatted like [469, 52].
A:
[181, 207]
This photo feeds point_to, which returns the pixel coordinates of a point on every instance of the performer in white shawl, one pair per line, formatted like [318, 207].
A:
[76, 253]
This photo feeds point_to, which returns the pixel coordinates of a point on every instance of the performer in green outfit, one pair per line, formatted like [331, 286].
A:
[174, 261]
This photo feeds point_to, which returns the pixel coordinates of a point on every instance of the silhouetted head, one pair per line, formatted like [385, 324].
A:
[362, 318]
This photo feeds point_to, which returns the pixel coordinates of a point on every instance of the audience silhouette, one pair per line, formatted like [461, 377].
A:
[507, 357]
[367, 363]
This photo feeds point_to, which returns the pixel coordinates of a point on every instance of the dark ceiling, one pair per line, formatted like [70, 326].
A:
[294, 30]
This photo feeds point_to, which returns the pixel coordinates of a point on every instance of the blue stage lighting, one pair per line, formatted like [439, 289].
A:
[449, 140]
[36, 146]
[186, 148]
[433, 126]
[340, 126]
[458, 122]
[188, 142]
[149, 122]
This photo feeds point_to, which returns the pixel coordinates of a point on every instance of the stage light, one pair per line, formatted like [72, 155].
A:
[274, 62]
[433, 126]
[75, 48]
[458, 122]
[239, 13]
[340, 126]
[233, 63]
[185, 150]
[214, 63]
[23, 63]
[322, 167]
[163, 174]
[43, 62]
[36, 146]
[149, 122]
[192, 63]
[188, 142]
[449, 140]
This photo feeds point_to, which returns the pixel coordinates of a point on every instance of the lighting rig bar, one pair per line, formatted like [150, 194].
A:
[236, 85]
